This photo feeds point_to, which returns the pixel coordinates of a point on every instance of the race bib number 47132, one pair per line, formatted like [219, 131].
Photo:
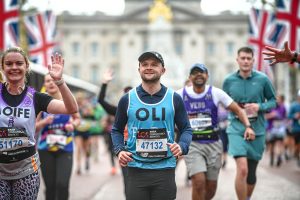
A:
[152, 143]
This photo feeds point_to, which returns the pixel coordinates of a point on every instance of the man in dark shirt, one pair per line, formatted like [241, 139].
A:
[151, 111]
[111, 110]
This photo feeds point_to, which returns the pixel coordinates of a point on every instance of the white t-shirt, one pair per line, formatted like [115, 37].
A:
[218, 95]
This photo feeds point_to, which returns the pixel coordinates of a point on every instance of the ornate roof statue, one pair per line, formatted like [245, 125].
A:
[160, 9]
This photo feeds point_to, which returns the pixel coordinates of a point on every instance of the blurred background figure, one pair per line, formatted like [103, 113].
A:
[223, 122]
[108, 107]
[111, 110]
[294, 115]
[96, 128]
[55, 146]
[82, 134]
[187, 83]
[276, 131]
[107, 123]
[289, 141]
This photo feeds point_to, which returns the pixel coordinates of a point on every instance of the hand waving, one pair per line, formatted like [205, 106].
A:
[56, 69]
[108, 76]
[278, 55]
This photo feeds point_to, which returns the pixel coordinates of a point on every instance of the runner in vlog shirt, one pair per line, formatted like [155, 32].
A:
[151, 111]
[19, 106]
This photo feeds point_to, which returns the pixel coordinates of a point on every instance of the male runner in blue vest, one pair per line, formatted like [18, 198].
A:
[151, 111]
[204, 159]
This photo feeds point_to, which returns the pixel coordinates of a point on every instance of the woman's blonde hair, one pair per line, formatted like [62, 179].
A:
[1, 77]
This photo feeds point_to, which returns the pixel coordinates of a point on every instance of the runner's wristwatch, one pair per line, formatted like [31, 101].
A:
[249, 126]
[118, 151]
[294, 59]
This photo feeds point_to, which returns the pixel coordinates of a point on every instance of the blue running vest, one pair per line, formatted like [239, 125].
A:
[150, 127]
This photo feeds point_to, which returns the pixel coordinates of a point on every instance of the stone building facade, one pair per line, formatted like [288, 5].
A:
[93, 43]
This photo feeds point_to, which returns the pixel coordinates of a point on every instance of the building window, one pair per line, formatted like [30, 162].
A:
[94, 74]
[178, 42]
[131, 43]
[145, 46]
[193, 43]
[210, 49]
[145, 41]
[94, 48]
[230, 67]
[75, 71]
[211, 70]
[178, 48]
[114, 67]
[75, 48]
[230, 48]
[114, 49]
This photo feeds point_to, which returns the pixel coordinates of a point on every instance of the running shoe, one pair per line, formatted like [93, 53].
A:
[113, 171]
[279, 161]
[87, 165]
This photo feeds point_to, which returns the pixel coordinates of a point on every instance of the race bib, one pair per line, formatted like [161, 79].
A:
[201, 123]
[152, 143]
[12, 139]
[53, 139]
[279, 123]
[202, 128]
[278, 128]
[250, 114]
[8, 144]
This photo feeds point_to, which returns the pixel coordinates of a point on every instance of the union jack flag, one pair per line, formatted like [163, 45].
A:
[263, 30]
[288, 14]
[9, 13]
[41, 30]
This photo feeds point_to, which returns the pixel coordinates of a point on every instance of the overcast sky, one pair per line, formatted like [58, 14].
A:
[116, 7]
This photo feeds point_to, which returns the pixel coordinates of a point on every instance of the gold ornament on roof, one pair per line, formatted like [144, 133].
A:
[160, 9]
